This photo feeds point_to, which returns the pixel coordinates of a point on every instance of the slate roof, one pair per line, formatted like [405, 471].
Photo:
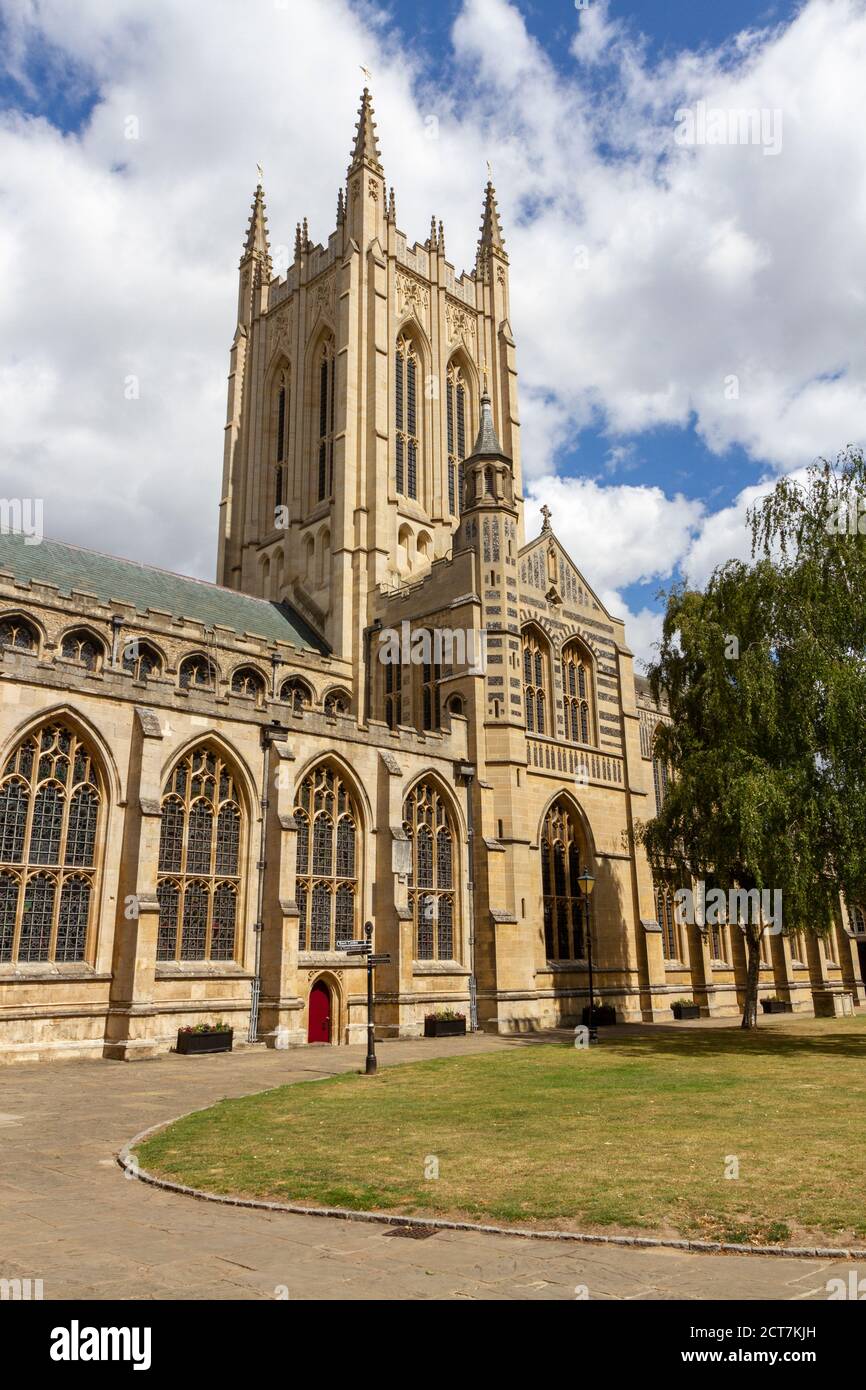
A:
[113, 580]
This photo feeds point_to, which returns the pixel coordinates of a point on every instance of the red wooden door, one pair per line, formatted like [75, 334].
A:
[319, 1027]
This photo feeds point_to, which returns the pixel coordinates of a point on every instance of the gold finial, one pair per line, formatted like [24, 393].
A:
[261, 173]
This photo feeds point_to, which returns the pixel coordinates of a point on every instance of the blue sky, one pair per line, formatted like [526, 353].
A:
[702, 265]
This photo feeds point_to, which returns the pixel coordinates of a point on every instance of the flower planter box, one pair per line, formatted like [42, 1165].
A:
[685, 1010]
[193, 1044]
[444, 1027]
[605, 1014]
[776, 1006]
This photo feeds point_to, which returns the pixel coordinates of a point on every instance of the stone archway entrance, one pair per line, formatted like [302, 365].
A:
[319, 1013]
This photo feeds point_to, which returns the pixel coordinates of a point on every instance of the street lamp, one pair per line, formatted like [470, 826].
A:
[587, 883]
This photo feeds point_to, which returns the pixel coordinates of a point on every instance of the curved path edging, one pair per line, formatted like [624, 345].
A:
[128, 1162]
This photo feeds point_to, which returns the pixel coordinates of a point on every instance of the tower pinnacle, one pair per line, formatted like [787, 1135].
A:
[256, 243]
[491, 238]
[366, 148]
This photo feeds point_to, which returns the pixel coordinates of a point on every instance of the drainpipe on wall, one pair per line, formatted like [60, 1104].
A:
[466, 771]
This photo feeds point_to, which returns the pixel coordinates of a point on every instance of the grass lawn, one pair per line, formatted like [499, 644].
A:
[633, 1135]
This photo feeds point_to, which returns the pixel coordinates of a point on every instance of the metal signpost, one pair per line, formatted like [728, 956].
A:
[365, 948]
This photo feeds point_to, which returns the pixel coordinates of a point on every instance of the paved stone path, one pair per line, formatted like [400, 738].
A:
[69, 1216]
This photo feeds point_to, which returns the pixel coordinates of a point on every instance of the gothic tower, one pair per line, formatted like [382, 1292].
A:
[355, 391]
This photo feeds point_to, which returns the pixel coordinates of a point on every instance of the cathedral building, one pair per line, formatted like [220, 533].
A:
[391, 707]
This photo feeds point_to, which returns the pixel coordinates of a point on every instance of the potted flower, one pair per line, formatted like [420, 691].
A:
[601, 1014]
[444, 1023]
[774, 1005]
[204, 1037]
[685, 1008]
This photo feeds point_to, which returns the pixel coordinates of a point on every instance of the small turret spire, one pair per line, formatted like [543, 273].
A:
[392, 209]
[432, 238]
[341, 208]
[441, 237]
[366, 147]
[487, 440]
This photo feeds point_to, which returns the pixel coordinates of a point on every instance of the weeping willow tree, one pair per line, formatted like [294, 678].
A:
[765, 679]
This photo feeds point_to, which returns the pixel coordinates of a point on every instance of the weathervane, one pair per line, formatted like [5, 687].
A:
[368, 76]
[261, 173]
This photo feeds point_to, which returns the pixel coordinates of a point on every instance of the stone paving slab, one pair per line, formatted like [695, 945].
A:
[70, 1217]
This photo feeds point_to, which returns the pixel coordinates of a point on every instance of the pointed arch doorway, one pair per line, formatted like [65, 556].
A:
[319, 1014]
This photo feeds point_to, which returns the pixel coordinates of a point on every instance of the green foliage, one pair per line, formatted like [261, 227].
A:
[767, 743]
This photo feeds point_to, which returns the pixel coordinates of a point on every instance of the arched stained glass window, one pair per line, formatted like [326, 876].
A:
[430, 830]
[666, 915]
[535, 681]
[576, 687]
[200, 848]
[407, 373]
[80, 646]
[296, 693]
[18, 633]
[140, 659]
[457, 411]
[197, 673]
[327, 860]
[50, 803]
[246, 680]
[325, 420]
[562, 898]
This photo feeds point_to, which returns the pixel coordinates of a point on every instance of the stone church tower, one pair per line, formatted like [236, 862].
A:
[354, 396]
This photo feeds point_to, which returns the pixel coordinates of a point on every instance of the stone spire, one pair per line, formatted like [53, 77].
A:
[486, 441]
[341, 207]
[256, 244]
[366, 150]
[491, 239]
[392, 207]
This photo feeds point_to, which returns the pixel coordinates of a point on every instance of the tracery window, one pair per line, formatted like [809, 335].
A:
[337, 702]
[246, 680]
[672, 948]
[407, 372]
[18, 633]
[197, 673]
[660, 781]
[456, 404]
[325, 419]
[199, 866]
[562, 897]
[431, 675]
[576, 689]
[50, 803]
[140, 659]
[432, 879]
[535, 682]
[327, 861]
[280, 429]
[82, 647]
[393, 694]
[296, 693]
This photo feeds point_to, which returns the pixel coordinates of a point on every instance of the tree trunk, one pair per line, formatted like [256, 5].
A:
[753, 966]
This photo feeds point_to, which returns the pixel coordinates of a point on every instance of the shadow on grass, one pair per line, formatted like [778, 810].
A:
[661, 1041]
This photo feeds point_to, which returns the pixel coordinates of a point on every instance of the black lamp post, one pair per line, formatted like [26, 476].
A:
[587, 883]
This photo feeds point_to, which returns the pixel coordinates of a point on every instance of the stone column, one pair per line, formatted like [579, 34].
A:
[132, 1030]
